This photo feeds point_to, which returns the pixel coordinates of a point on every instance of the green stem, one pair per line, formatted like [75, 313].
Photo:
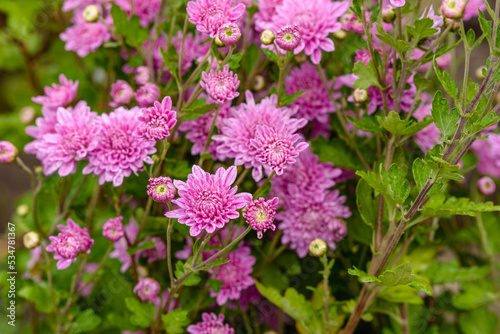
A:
[263, 184]
[209, 137]
[326, 271]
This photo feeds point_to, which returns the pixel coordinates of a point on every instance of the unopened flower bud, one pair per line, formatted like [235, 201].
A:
[455, 24]
[161, 189]
[27, 115]
[259, 83]
[22, 210]
[288, 37]
[91, 13]
[8, 152]
[480, 73]
[267, 37]
[453, 9]
[142, 272]
[218, 42]
[300, 58]
[487, 185]
[229, 34]
[38, 170]
[31, 240]
[317, 247]
[360, 95]
[388, 14]
[340, 35]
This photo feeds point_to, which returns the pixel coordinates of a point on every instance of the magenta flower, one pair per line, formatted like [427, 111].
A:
[147, 289]
[8, 152]
[487, 185]
[315, 20]
[58, 95]
[234, 275]
[147, 95]
[73, 139]
[398, 3]
[237, 131]
[210, 15]
[211, 324]
[472, 7]
[161, 189]
[260, 215]
[157, 121]
[122, 93]
[119, 153]
[310, 217]
[207, 201]
[488, 152]
[67, 245]
[275, 147]
[84, 37]
[221, 86]
[315, 103]
[288, 37]
[156, 253]
[120, 247]
[113, 229]
[229, 34]
[453, 9]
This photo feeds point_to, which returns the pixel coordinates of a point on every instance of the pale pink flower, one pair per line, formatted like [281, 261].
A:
[487, 185]
[229, 34]
[120, 247]
[221, 86]
[472, 7]
[84, 37]
[157, 121]
[210, 15]
[146, 10]
[58, 95]
[398, 3]
[8, 152]
[156, 253]
[122, 93]
[113, 229]
[288, 37]
[147, 95]
[147, 289]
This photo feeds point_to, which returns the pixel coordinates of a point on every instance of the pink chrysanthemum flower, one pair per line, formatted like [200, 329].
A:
[207, 201]
[488, 152]
[120, 247]
[315, 20]
[194, 48]
[221, 86]
[157, 121]
[487, 185]
[119, 153]
[74, 137]
[472, 7]
[315, 103]
[211, 324]
[8, 152]
[238, 130]
[58, 95]
[234, 275]
[288, 37]
[122, 93]
[44, 125]
[229, 34]
[84, 38]
[260, 215]
[264, 17]
[147, 289]
[142, 75]
[398, 3]
[309, 217]
[453, 9]
[67, 245]
[147, 95]
[161, 189]
[275, 147]
[113, 229]
[210, 15]
[156, 253]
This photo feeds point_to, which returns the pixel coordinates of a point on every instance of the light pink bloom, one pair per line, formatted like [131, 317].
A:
[472, 7]
[142, 75]
[488, 152]
[207, 201]
[147, 95]
[156, 253]
[122, 93]
[74, 137]
[84, 37]
[398, 3]
[453, 9]
[221, 86]
[8, 152]
[161, 189]
[119, 153]
[229, 34]
[234, 275]
[113, 229]
[157, 121]
[120, 247]
[147, 289]
[58, 95]
[487, 185]
[260, 215]
[147, 10]
[211, 323]
[210, 15]
[315, 20]
[264, 17]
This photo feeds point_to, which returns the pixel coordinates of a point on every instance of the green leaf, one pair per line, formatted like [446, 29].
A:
[422, 286]
[197, 109]
[38, 294]
[289, 99]
[142, 313]
[400, 45]
[363, 277]
[85, 322]
[366, 123]
[415, 127]
[234, 61]
[485, 26]
[400, 294]
[180, 270]
[271, 55]
[439, 205]
[474, 295]
[214, 263]
[215, 284]
[444, 118]
[146, 245]
[175, 321]
[131, 29]
[423, 28]
[450, 271]
[479, 321]
[337, 152]
[444, 78]
[393, 123]
[421, 173]
[396, 184]
[367, 75]
[366, 203]
[401, 275]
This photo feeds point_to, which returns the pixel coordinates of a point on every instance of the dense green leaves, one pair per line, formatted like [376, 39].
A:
[175, 321]
[180, 270]
[131, 29]
[366, 203]
[440, 205]
[198, 108]
[479, 321]
[392, 183]
[444, 78]
[142, 313]
[422, 29]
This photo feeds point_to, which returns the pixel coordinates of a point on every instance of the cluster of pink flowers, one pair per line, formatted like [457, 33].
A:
[67, 245]
[211, 323]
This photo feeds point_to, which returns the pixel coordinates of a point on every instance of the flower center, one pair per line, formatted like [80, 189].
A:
[228, 32]
[161, 189]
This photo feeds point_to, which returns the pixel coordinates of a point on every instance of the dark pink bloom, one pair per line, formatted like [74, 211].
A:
[221, 86]
[122, 93]
[161, 189]
[142, 75]
[264, 17]
[58, 95]
[260, 215]
[211, 324]
[113, 229]
[288, 37]
[8, 152]
[147, 289]
[147, 95]
[207, 201]
[157, 121]
[210, 15]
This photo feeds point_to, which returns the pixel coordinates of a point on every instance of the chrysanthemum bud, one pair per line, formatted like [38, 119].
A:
[22, 210]
[142, 271]
[267, 37]
[8, 152]
[453, 9]
[479, 73]
[38, 170]
[259, 83]
[388, 14]
[300, 58]
[487, 185]
[27, 115]
[229, 34]
[360, 95]
[31, 239]
[317, 247]
[218, 42]
[91, 13]
[288, 37]
[161, 189]
[340, 35]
